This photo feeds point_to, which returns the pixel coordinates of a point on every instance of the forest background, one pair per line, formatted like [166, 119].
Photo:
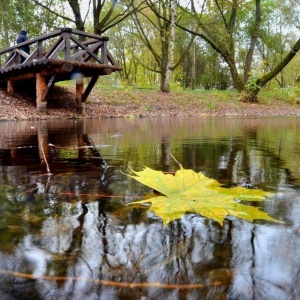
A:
[169, 45]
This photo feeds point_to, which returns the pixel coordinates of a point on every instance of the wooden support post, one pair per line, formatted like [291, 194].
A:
[49, 85]
[10, 85]
[79, 93]
[41, 85]
[89, 87]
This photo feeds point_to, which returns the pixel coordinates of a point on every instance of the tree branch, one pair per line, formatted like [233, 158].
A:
[222, 14]
[52, 11]
[279, 67]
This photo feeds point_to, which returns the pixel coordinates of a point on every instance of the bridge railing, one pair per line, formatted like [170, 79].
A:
[65, 44]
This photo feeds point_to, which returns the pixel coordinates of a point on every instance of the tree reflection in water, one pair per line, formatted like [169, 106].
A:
[242, 260]
[70, 236]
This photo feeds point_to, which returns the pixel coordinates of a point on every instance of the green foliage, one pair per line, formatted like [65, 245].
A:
[251, 90]
[143, 56]
[188, 191]
[252, 86]
[27, 15]
[291, 95]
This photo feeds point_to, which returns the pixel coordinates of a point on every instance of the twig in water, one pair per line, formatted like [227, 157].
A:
[176, 160]
[45, 159]
[105, 165]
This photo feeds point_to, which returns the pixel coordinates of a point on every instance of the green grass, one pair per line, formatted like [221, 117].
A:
[121, 93]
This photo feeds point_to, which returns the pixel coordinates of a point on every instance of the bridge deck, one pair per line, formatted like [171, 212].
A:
[62, 55]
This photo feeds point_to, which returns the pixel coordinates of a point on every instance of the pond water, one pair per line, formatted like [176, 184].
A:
[67, 230]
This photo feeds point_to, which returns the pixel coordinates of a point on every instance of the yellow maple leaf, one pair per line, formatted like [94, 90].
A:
[188, 191]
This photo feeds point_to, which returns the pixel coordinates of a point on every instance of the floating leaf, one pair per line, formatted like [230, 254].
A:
[188, 191]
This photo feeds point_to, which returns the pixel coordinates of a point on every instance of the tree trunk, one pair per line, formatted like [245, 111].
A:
[253, 41]
[77, 14]
[193, 75]
[164, 86]
[170, 60]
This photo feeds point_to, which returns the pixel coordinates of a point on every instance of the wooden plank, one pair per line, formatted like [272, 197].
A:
[32, 41]
[53, 35]
[91, 35]
[10, 60]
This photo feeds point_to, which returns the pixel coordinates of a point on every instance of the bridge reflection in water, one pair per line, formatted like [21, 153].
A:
[43, 155]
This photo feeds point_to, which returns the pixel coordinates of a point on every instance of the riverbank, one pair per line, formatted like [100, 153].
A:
[115, 103]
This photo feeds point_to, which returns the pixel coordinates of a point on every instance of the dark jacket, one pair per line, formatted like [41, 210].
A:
[23, 38]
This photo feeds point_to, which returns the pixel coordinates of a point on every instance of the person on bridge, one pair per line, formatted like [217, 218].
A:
[22, 37]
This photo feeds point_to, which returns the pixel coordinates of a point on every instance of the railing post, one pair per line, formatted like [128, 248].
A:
[39, 45]
[104, 53]
[66, 33]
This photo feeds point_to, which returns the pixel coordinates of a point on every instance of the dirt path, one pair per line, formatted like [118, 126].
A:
[120, 103]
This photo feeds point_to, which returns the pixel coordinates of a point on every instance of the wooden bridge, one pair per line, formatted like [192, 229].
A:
[61, 55]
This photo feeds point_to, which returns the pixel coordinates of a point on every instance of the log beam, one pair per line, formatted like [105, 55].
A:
[49, 67]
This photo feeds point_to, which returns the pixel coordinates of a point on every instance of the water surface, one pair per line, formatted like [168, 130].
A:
[67, 231]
